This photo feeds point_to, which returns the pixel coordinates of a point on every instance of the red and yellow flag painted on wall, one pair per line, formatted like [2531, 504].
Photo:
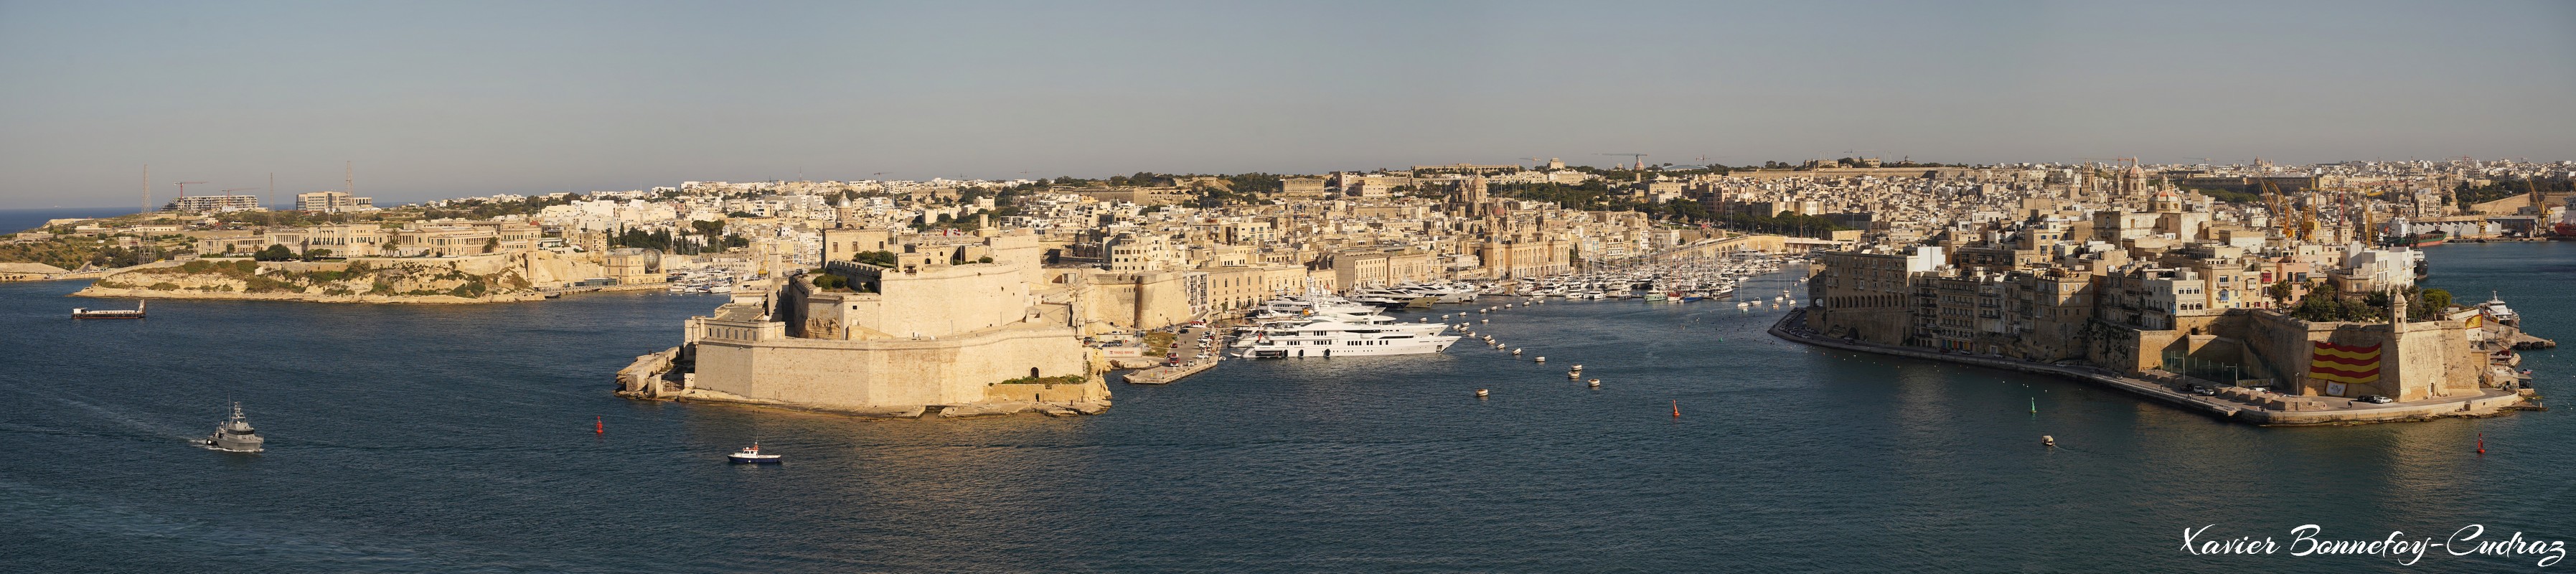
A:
[2352, 364]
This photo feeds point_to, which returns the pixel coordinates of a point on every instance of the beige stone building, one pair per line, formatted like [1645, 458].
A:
[926, 333]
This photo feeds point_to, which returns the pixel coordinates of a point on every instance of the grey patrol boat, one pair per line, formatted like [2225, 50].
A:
[234, 435]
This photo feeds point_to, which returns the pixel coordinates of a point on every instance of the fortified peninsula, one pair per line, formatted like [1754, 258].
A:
[2289, 308]
[951, 326]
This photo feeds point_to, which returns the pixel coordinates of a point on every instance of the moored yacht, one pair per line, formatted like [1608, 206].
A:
[1326, 339]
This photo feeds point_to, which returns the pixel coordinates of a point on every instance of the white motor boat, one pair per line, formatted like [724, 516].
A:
[751, 455]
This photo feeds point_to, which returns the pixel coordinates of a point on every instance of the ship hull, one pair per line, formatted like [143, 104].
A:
[2427, 239]
[229, 446]
[1418, 347]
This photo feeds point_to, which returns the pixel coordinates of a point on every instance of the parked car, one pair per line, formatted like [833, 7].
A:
[2377, 399]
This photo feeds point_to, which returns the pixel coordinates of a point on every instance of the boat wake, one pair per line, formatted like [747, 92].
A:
[124, 420]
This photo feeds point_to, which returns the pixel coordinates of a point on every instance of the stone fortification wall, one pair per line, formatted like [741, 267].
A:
[2418, 360]
[893, 372]
[549, 269]
[936, 301]
[1136, 300]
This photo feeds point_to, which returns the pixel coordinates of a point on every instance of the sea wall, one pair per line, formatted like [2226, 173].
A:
[481, 279]
[857, 375]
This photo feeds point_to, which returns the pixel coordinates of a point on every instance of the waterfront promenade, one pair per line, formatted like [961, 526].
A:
[2487, 402]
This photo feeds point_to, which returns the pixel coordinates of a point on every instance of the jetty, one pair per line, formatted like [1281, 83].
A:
[2250, 406]
[1164, 375]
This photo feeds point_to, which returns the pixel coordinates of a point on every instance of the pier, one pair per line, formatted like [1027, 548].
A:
[1167, 374]
[2486, 403]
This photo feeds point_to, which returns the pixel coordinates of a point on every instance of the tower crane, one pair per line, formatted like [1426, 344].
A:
[183, 187]
[230, 191]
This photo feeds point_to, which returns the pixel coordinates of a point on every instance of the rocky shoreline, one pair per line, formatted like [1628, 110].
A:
[364, 281]
[116, 293]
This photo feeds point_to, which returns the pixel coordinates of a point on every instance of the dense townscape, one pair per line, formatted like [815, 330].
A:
[906, 295]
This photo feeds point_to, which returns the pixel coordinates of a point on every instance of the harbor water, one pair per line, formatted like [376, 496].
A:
[460, 439]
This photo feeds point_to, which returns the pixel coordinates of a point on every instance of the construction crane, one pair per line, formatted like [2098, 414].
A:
[2538, 207]
[2272, 201]
[183, 187]
[230, 191]
[1641, 159]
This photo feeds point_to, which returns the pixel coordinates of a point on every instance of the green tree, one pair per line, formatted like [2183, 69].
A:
[274, 252]
[491, 244]
[2280, 292]
[878, 258]
[2435, 300]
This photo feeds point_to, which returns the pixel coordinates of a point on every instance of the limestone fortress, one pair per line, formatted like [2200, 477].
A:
[952, 326]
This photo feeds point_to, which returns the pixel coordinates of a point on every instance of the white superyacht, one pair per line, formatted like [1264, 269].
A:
[1331, 339]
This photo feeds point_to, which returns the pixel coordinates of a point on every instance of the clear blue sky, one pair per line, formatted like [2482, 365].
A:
[444, 99]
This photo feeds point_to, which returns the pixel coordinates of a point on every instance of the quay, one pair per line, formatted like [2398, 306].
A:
[554, 292]
[1166, 374]
[2488, 402]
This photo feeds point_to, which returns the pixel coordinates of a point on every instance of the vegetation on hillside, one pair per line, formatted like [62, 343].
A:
[357, 277]
[2504, 188]
[1057, 380]
[2328, 306]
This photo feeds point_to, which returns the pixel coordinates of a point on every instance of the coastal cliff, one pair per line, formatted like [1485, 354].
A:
[368, 280]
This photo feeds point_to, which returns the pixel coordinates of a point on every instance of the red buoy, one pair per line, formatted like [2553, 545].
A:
[1677, 408]
[598, 425]
[2482, 444]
